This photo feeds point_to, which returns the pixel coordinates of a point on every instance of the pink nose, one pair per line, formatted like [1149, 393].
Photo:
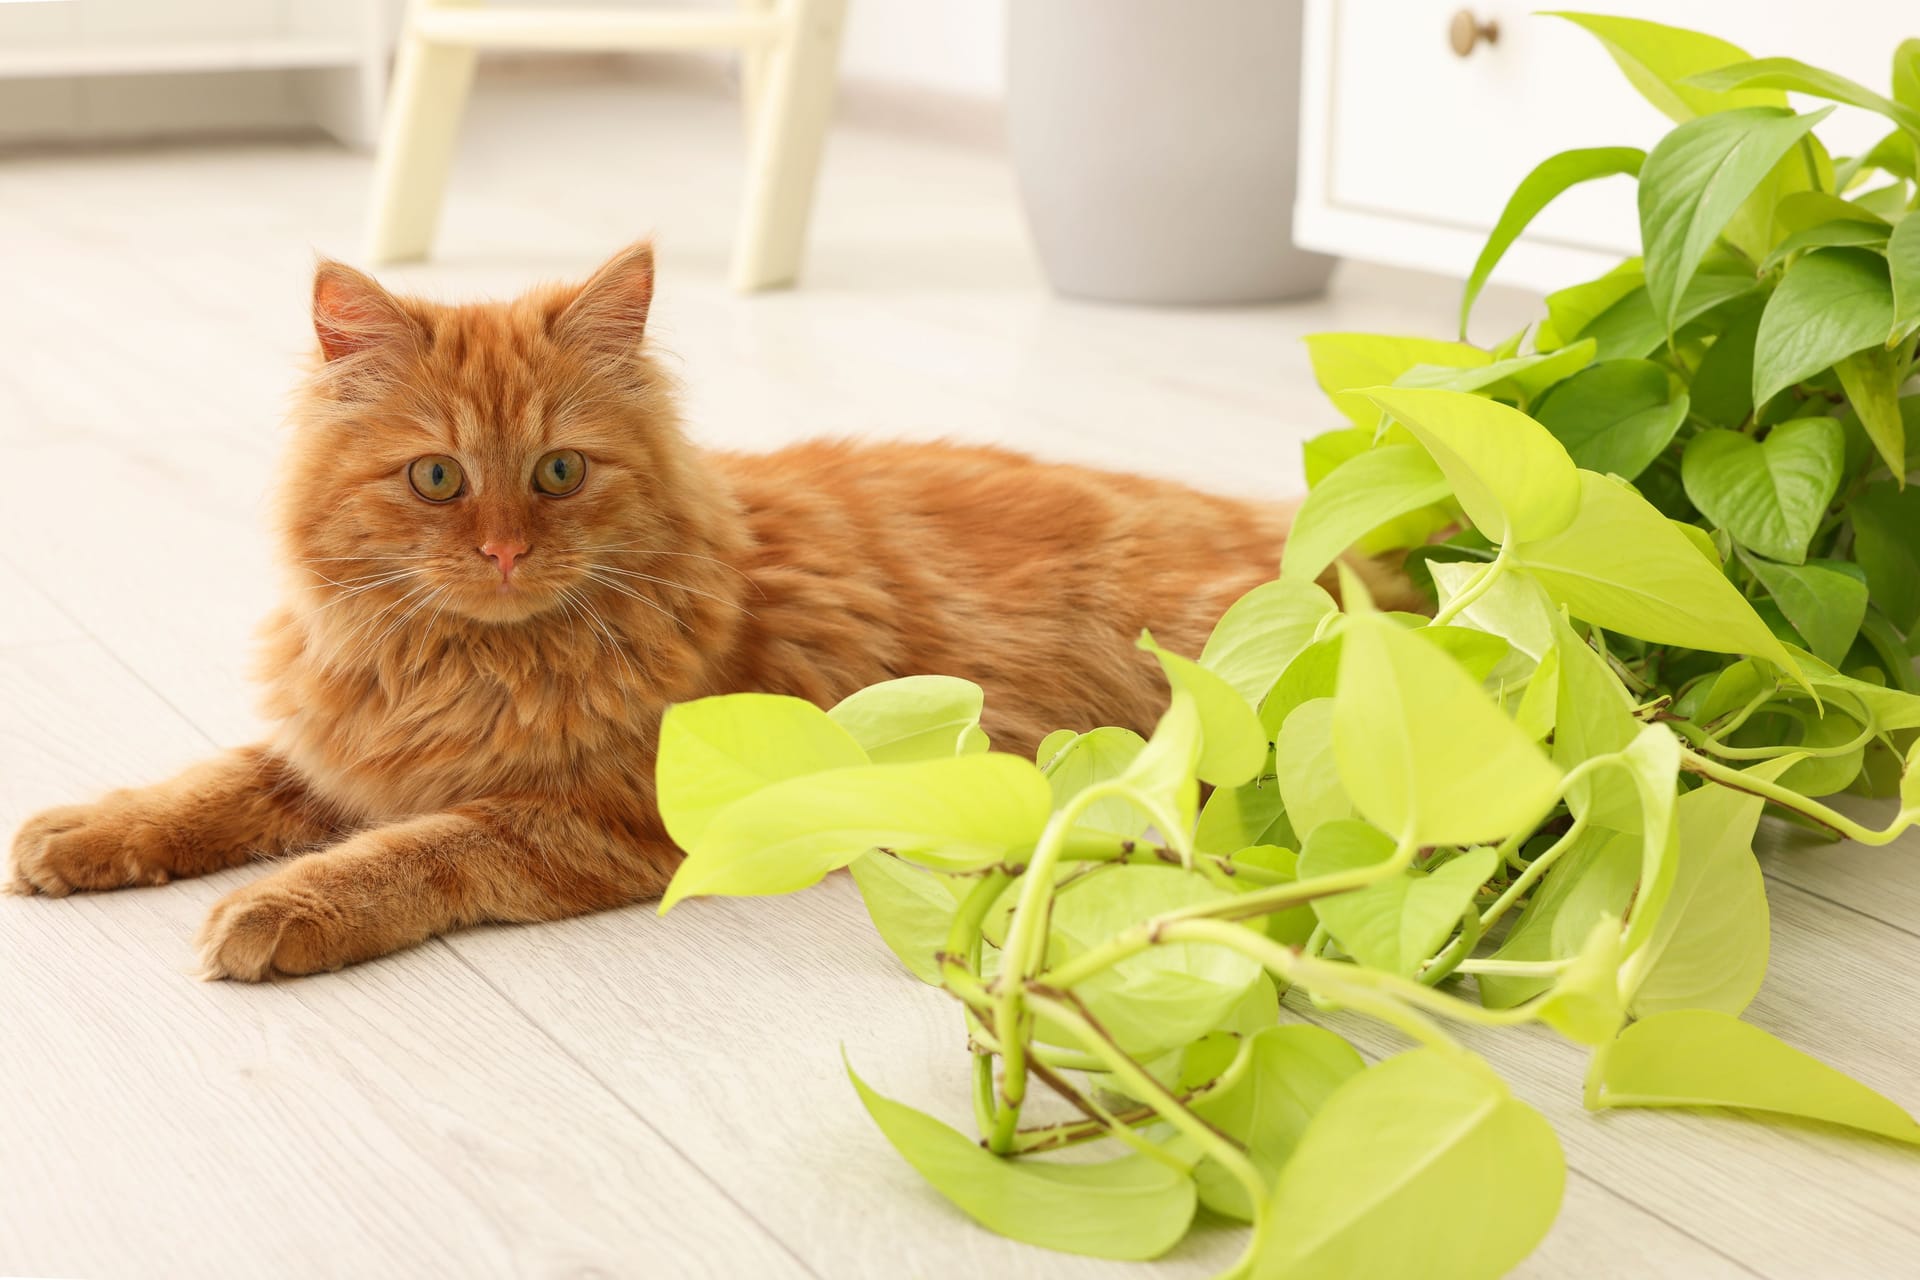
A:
[503, 553]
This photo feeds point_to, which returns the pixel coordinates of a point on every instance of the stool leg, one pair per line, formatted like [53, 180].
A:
[795, 108]
[430, 85]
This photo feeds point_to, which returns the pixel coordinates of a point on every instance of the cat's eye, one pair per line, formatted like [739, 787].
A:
[560, 472]
[436, 477]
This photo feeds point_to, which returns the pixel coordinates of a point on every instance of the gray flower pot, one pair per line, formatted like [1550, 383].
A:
[1154, 142]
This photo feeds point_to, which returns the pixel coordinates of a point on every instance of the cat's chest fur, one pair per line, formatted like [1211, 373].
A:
[484, 717]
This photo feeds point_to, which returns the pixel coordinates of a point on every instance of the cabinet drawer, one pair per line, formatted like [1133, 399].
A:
[1410, 150]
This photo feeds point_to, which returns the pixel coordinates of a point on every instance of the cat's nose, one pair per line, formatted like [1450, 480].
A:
[503, 553]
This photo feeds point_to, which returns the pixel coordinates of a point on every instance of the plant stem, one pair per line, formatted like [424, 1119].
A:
[1531, 874]
[1708, 767]
[1481, 582]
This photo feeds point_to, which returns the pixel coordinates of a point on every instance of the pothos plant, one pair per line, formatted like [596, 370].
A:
[1676, 571]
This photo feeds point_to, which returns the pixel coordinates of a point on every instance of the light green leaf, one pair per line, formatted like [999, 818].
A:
[1162, 778]
[1167, 995]
[1571, 310]
[1824, 604]
[1906, 74]
[1708, 949]
[1593, 717]
[912, 909]
[1314, 673]
[1872, 379]
[1694, 180]
[914, 718]
[1279, 1082]
[1653, 764]
[1829, 305]
[1771, 494]
[1131, 1209]
[1422, 750]
[1514, 378]
[715, 751]
[1616, 416]
[1100, 755]
[1584, 1005]
[1345, 361]
[956, 814]
[1235, 818]
[1397, 923]
[1622, 565]
[1536, 191]
[1659, 60]
[1593, 880]
[1307, 768]
[1357, 498]
[1051, 746]
[1232, 745]
[1396, 1170]
[1263, 631]
[1795, 76]
[1294, 925]
[1513, 478]
[1705, 1058]
[1513, 608]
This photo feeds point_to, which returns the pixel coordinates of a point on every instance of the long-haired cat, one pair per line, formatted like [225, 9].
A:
[504, 560]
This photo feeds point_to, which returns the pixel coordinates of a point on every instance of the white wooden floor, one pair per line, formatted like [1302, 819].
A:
[625, 1095]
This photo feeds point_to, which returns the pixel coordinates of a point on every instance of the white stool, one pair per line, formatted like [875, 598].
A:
[789, 48]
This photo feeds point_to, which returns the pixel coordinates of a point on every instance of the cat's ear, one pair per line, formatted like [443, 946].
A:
[352, 313]
[609, 315]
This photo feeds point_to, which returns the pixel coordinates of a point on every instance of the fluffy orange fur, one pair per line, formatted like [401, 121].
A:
[467, 692]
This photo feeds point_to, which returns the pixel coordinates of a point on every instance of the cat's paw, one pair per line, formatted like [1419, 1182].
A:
[79, 847]
[279, 926]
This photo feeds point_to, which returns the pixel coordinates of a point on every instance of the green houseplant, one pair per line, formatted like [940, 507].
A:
[1676, 578]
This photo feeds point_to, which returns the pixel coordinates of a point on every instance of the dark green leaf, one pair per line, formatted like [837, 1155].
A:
[1829, 305]
[1722, 388]
[1886, 543]
[1630, 329]
[1770, 495]
[1825, 604]
[1615, 416]
[1694, 180]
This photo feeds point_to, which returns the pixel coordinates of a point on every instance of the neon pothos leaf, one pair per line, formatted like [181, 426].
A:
[1343, 362]
[1397, 923]
[1129, 1209]
[1099, 755]
[715, 751]
[1658, 61]
[1514, 479]
[1536, 191]
[1357, 498]
[1795, 76]
[1705, 1058]
[1262, 632]
[912, 909]
[1623, 566]
[1232, 746]
[1423, 751]
[1283, 1076]
[1396, 1168]
[914, 718]
[955, 814]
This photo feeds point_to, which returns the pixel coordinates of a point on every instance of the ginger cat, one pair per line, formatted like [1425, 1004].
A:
[504, 560]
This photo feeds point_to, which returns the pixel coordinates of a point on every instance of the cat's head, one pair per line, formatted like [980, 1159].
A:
[494, 461]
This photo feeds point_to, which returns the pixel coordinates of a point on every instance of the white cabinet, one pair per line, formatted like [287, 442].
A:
[104, 68]
[1409, 150]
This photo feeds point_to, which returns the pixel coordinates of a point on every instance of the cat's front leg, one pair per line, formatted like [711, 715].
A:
[216, 814]
[503, 861]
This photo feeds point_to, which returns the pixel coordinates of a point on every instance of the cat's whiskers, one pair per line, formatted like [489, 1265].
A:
[351, 592]
[614, 585]
[668, 582]
[637, 549]
[595, 620]
[354, 647]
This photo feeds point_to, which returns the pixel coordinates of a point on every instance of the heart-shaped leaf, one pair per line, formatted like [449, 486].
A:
[715, 751]
[1099, 755]
[1514, 479]
[1823, 600]
[1357, 498]
[1828, 305]
[1616, 416]
[1130, 1209]
[1398, 923]
[1423, 751]
[1307, 769]
[1282, 1077]
[1263, 631]
[914, 718]
[1771, 494]
[911, 908]
[1232, 746]
[1396, 1170]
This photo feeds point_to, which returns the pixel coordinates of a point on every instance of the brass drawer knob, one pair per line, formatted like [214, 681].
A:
[1467, 31]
